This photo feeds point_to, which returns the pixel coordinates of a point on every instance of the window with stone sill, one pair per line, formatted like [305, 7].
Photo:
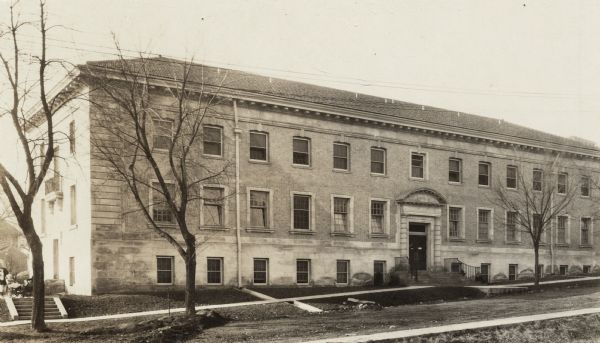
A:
[301, 151]
[301, 207]
[483, 227]
[259, 146]
[511, 226]
[455, 222]
[259, 209]
[561, 187]
[341, 208]
[342, 271]
[378, 161]
[341, 156]
[161, 213]
[214, 270]
[261, 270]
[164, 269]
[561, 230]
[302, 272]
[162, 135]
[454, 170]
[585, 186]
[538, 179]
[586, 224]
[511, 177]
[378, 217]
[213, 206]
[484, 173]
[212, 140]
[417, 165]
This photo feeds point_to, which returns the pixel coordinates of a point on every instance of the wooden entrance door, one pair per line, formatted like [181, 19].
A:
[417, 246]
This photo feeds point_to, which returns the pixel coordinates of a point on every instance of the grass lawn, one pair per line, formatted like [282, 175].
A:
[86, 306]
[405, 297]
[281, 292]
[573, 329]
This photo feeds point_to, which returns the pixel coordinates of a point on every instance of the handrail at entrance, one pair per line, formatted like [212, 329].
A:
[454, 265]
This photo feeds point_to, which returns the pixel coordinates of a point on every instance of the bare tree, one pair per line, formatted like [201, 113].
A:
[29, 128]
[154, 149]
[533, 203]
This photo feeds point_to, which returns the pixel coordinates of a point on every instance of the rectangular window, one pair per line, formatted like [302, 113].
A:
[161, 213]
[513, 271]
[261, 271]
[538, 179]
[340, 214]
[73, 200]
[259, 146]
[43, 216]
[162, 135]
[259, 209]
[455, 222]
[301, 153]
[538, 226]
[483, 228]
[343, 269]
[303, 272]
[417, 165]
[212, 208]
[301, 212]
[563, 269]
[378, 216]
[212, 140]
[585, 186]
[484, 173]
[377, 161]
[378, 273]
[214, 270]
[511, 177]
[484, 273]
[586, 224]
[164, 270]
[561, 230]
[71, 271]
[454, 170]
[72, 137]
[511, 226]
[341, 156]
[562, 183]
[587, 269]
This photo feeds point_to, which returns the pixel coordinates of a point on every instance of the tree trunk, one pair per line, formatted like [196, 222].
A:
[536, 276]
[190, 279]
[37, 316]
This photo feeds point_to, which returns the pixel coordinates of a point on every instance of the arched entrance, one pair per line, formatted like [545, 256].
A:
[420, 216]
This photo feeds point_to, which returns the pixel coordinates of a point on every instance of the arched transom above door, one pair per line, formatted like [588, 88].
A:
[422, 197]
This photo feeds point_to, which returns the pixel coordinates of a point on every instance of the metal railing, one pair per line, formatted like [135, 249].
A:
[53, 185]
[454, 265]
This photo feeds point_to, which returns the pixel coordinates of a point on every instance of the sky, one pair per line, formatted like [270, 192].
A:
[533, 63]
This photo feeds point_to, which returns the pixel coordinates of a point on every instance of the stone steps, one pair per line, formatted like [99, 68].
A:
[24, 308]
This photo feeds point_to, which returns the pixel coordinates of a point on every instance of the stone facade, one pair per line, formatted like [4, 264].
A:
[117, 252]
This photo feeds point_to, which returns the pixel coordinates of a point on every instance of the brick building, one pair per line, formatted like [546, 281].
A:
[334, 188]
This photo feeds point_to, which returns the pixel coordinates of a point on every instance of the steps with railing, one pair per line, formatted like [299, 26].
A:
[454, 265]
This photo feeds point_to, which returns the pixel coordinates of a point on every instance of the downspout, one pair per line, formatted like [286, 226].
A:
[237, 132]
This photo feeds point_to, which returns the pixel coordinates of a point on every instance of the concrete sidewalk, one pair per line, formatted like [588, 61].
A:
[456, 327]
[212, 307]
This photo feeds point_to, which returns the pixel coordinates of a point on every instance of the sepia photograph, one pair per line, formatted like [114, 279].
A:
[299, 171]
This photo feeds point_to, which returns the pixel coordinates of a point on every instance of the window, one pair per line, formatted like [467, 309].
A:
[455, 222]
[538, 179]
[73, 200]
[586, 224]
[378, 216]
[454, 170]
[378, 273]
[377, 161]
[71, 271]
[212, 137]
[43, 216]
[562, 183]
[164, 270]
[341, 156]
[259, 209]
[587, 269]
[301, 148]
[212, 207]
[484, 273]
[513, 271]
[214, 270]
[561, 230]
[162, 135]
[540, 270]
[72, 137]
[161, 213]
[585, 186]
[484, 173]
[417, 166]
[538, 226]
[563, 269]
[259, 146]
[511, 226]
[261, 268]
[342, 271]
[484, 222]
[301, 212]
[340, 214]
[302, 272]
[511, 177]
